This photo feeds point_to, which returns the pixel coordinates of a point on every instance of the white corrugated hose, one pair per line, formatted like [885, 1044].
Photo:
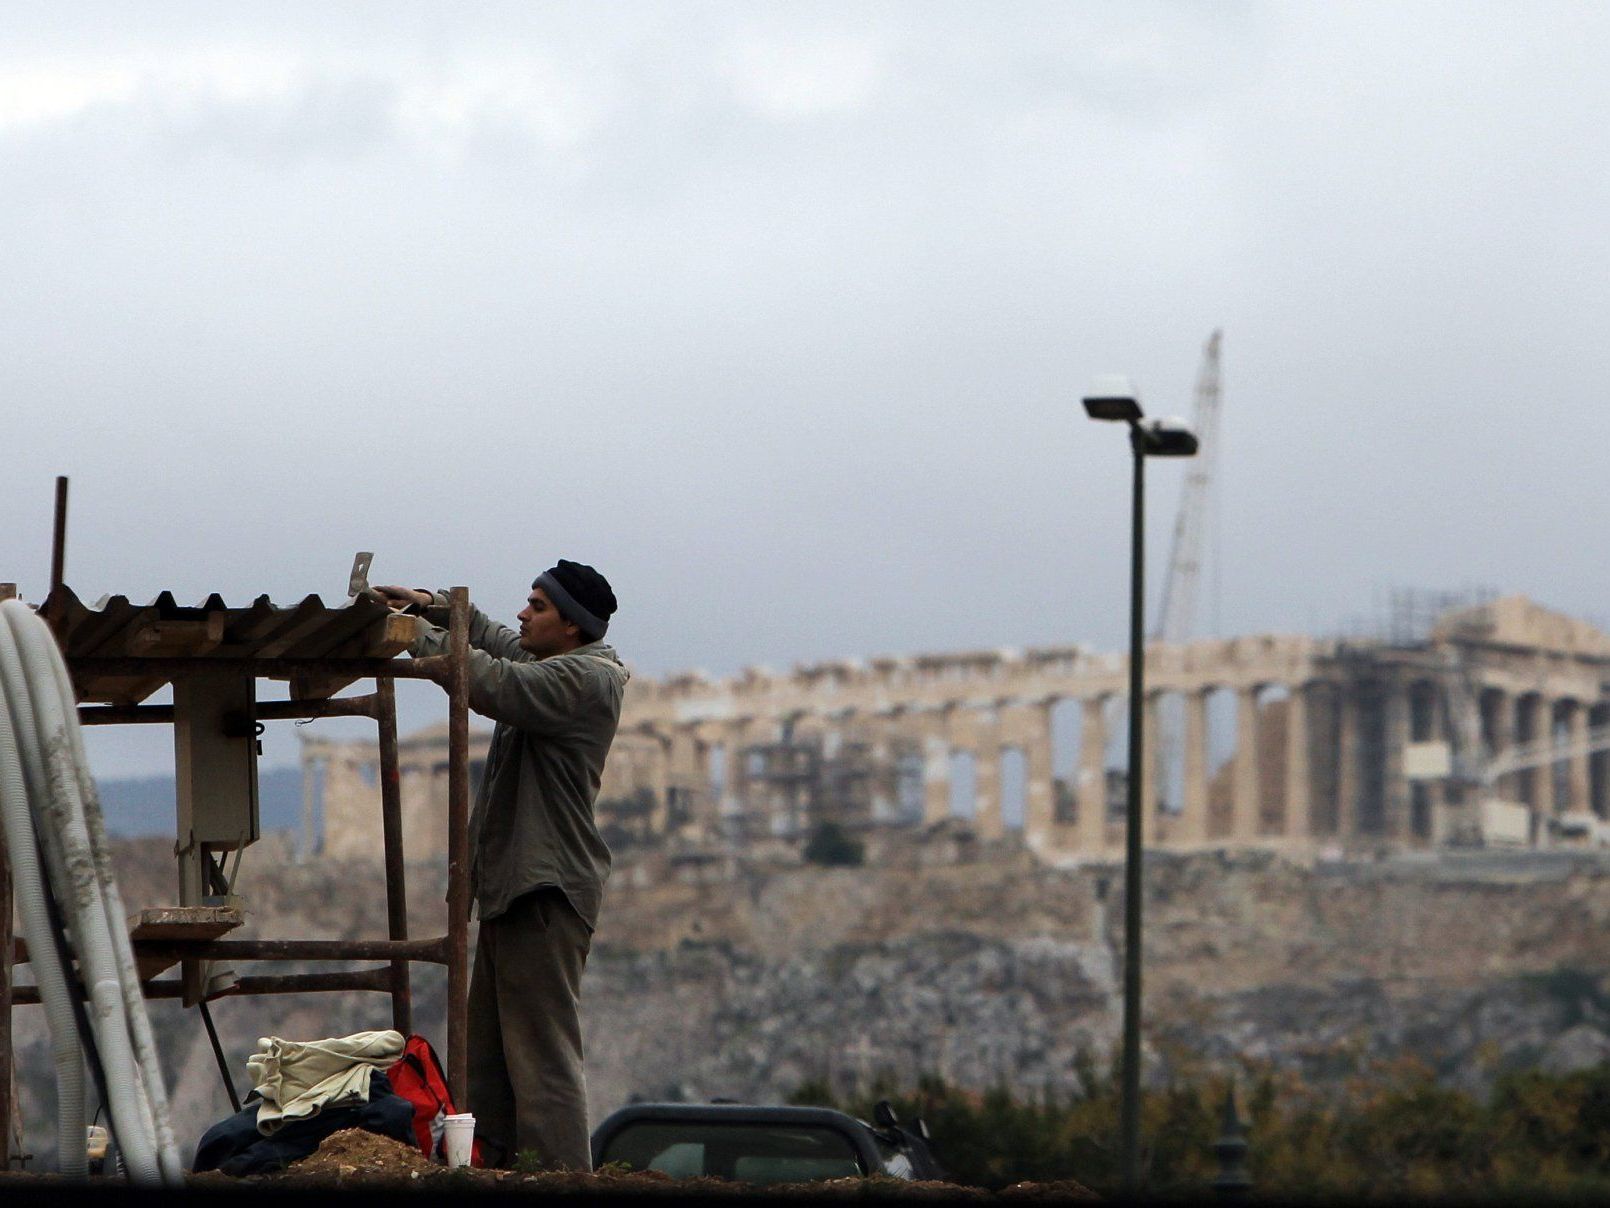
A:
[53, 819]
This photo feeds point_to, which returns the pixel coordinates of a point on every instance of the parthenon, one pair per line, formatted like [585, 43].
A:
[1336, 743]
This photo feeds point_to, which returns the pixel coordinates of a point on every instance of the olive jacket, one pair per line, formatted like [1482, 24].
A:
[532, 824]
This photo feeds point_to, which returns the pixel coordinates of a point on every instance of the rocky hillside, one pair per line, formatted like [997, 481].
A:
[1004, 971]
[1000, 970]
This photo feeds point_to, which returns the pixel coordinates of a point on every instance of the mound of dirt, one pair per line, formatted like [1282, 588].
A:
[358, 1159]
[355, 1159]
[355, 1154]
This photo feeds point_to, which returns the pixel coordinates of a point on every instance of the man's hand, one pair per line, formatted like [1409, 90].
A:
[400, 598]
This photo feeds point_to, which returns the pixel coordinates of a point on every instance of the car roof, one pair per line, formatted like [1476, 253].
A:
[720, 1113]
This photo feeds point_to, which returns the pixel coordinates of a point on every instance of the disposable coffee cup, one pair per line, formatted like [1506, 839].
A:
[458, 1137]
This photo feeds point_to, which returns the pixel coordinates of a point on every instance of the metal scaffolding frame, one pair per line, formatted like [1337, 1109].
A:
[178, 939]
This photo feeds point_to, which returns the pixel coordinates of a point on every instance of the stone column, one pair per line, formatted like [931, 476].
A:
[351, 802]
[1523, 782]
[1194, 789]
[1347, 777]
[1598, 790]
[1394, 784]
[660, 781]
[1580, 776]
[1543, 773]
[1502, 734]
[1092, 789]
[881, 792]
[1039, 774]
[1297, 809]
[986, 746]
[936, 765]
[962, 730]
[1543, 777]
[1152, 767]
[1245, 806]
[1436, 791]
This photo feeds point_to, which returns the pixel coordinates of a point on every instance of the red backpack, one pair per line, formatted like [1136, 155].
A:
[417, 1076]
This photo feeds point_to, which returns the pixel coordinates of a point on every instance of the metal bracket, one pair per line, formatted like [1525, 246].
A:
[358, 581]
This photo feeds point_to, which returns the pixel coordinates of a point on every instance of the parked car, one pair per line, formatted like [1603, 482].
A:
[754, 1144]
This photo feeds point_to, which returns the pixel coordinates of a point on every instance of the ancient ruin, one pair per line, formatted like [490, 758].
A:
[1486, 725]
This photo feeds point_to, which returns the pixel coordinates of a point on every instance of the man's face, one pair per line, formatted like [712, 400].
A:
[542, 630]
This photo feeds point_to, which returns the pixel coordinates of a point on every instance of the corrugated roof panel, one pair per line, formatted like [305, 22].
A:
[116, 628]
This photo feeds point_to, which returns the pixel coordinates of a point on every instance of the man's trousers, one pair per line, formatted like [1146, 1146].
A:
[527, 1088]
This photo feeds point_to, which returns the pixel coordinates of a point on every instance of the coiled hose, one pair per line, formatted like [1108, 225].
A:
[145, 1049]
[28, 882]
[56, 822]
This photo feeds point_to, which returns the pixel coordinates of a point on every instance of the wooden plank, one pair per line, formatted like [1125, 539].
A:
[166, 925]
[183, 922]
[160, 639]
[150, 638]
[394, 637]
[384, 638]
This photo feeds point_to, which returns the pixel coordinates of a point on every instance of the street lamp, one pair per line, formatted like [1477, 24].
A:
[1113, 399]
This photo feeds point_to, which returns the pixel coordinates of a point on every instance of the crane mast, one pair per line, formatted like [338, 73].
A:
[1177, 616]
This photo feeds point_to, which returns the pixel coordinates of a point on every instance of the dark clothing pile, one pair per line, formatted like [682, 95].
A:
[235, 1147]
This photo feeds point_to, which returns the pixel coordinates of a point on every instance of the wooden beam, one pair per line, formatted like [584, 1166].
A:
[384, 638]
[156, 639]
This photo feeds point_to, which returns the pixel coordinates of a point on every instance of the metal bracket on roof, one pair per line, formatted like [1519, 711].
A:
[358, 582]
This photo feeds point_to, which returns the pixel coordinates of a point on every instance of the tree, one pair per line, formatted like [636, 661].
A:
[831, 847]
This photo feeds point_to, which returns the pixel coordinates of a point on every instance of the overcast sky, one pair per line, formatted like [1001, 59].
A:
[780, 314]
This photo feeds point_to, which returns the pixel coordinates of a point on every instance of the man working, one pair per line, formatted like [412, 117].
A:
[537, 863]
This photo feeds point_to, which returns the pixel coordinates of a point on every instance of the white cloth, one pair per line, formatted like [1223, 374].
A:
[299, 1079]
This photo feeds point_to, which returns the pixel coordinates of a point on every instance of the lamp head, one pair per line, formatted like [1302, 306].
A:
[1170, 437]
[1112, 397]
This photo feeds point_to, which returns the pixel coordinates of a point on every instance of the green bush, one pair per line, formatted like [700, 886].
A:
[1396, 1132]
[829, 845]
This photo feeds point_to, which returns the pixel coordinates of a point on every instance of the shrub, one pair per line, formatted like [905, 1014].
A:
[1397, 1134]
[830, 846]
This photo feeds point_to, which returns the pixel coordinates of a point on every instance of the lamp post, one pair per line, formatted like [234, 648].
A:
[1113, 399]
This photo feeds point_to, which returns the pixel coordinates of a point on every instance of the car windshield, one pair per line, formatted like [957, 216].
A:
[749, 1153]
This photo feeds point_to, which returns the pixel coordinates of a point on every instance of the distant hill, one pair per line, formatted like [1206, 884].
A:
[144, 805]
